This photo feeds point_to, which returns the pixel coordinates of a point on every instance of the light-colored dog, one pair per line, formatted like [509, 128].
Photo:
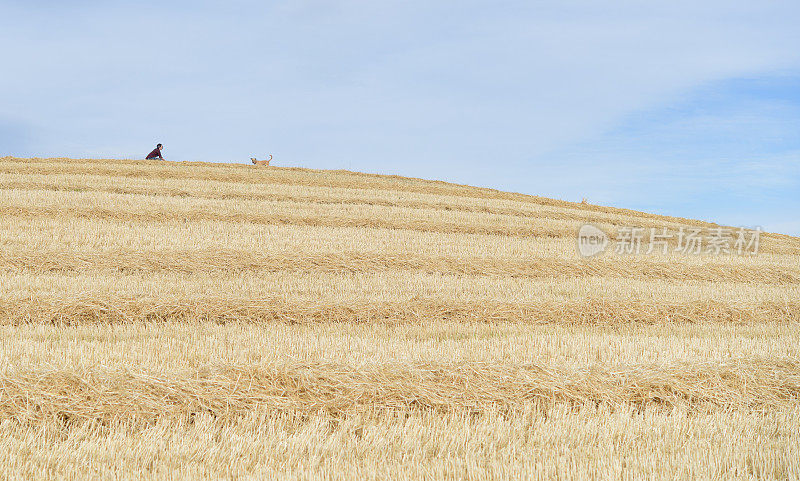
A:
[261, 162]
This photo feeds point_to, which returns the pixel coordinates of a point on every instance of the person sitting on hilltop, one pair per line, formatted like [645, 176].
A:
[156, 153]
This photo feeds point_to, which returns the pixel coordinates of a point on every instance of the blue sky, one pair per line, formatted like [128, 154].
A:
[683, 108]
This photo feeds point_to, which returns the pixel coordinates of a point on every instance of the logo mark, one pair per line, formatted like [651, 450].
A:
[591, 240]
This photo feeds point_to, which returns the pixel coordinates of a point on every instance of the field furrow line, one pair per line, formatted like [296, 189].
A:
[225, 391]
[319, 220]
[210, 260]
[768, 245]
[94, 309]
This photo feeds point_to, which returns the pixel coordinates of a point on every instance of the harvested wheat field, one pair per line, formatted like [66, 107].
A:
[194, 320]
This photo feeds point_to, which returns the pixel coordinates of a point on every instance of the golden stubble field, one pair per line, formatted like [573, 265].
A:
[172, 320]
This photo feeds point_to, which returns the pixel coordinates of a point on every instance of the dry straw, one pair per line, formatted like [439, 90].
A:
[208, 260]
[340, 389]
[533, 333]
[298, 176]
[262, 311]
[212, 190]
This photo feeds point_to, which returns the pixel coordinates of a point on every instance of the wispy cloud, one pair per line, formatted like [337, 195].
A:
[727, 151]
